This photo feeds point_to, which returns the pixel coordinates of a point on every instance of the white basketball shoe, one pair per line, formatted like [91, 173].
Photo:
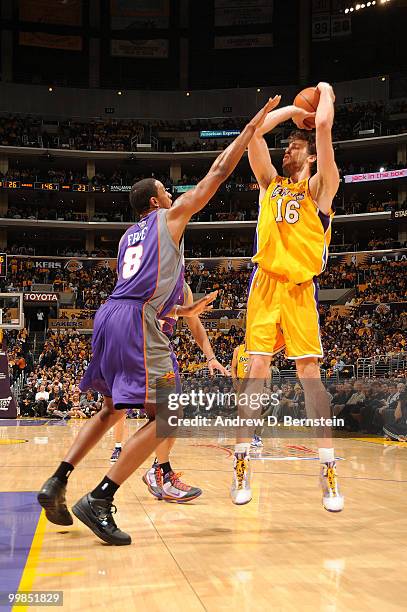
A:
[174, 490]
[153, 478]
[241, 492]
[332, 500]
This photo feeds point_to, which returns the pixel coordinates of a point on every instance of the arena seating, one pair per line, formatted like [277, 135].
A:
[372, 333]
[117, 135]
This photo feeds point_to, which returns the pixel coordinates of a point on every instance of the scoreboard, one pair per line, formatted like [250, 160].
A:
[79, 187]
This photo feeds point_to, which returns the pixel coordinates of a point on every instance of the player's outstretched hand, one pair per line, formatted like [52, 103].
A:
[299, 117]
[214, 364]
[198, 307]
[258, 119]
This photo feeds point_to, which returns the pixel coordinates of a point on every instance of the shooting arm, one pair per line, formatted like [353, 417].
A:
[276, 117]
[324, 184]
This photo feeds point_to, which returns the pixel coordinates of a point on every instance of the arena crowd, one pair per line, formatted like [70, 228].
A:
[373, 326]
[90, 286]
[120, 134]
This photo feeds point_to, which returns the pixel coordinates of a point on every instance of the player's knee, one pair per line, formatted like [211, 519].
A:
[259, 366]
[308, 368]
[107, 408]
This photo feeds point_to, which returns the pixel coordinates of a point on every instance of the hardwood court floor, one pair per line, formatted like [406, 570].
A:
[280, 552]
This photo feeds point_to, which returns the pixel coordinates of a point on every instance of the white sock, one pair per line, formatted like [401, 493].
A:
[118, 445]
[243, 447]
[326, 455]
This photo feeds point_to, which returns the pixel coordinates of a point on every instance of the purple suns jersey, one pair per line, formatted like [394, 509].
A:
[150, 265]
[168, 323]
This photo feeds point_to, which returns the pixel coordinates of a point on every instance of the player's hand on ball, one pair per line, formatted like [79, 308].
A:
[258, 119]
[198, 307]
[300, 117]
[214, 364]
[322, 86]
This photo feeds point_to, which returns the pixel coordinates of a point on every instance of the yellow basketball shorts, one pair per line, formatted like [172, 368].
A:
[282, 314]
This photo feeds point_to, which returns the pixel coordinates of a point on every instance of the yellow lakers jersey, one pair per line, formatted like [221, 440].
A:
[242, 361]
[292, 234]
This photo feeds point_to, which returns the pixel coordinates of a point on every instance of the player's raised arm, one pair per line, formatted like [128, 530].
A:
[194, 200]
[260, 162]
[324, 184]
[259, 154]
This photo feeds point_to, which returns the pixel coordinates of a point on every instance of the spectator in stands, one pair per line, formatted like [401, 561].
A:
[59, 407]
[395, 426]
[120, 135]
[41, 399]
[27, 401]
[76, 411]
[90, 403]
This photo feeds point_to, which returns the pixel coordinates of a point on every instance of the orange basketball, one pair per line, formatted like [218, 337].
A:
[308, 99]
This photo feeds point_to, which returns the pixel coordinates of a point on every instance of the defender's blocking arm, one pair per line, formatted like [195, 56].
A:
[194, 200]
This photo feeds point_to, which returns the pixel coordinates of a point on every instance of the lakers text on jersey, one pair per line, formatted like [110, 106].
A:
[292, 235]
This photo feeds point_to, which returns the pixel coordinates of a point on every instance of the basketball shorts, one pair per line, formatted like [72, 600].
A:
[282, 315]
[131, 356]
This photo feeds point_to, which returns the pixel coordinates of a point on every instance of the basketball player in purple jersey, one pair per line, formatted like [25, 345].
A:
[161, 480]
[130, 351]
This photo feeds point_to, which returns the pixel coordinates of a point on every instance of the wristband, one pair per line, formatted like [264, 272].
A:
[176, 310]
[214, 357]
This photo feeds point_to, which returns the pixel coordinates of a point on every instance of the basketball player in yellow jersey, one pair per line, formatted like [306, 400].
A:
[240, 362]
[292, 238]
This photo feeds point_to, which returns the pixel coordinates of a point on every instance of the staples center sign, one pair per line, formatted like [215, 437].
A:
[375, 176]
[40, 297]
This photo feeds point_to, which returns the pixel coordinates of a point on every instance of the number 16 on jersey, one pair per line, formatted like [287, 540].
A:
[291, 214]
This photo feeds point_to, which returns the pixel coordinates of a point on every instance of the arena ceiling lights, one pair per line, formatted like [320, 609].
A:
[358, 7]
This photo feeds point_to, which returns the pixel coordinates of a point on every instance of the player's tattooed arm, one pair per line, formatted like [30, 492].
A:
[324, 184]
[194, 200]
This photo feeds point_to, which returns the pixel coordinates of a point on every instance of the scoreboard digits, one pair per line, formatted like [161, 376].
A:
[6, 184]
[42, 186]
[78, 187]
[46, 186]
